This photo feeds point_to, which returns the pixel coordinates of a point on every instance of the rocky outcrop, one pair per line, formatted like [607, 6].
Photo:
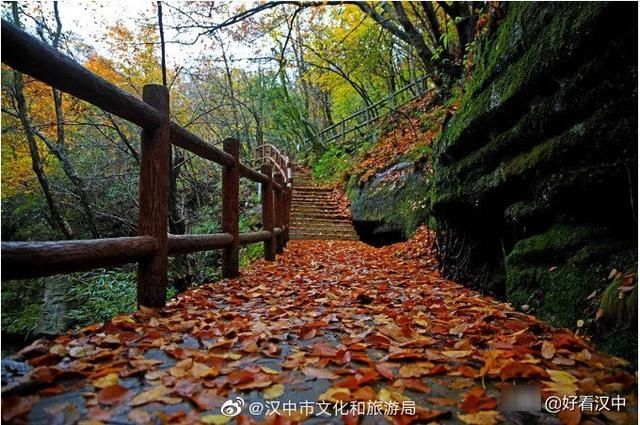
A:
[392, 203]
[535, 176]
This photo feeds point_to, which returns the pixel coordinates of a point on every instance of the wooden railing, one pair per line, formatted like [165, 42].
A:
[269, 154]
[368, 116]
[153, 245]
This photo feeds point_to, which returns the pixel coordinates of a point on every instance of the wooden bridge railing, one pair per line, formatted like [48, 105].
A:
[368, 116]
[153, 245]
[268, 153]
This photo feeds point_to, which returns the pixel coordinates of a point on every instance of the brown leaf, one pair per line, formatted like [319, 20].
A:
[154, 394]
[548, 350]
[113, 394]
[16, 406]
[319, 373]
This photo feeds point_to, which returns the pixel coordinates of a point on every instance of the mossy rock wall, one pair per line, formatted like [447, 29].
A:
[538, 168]
[391, 204]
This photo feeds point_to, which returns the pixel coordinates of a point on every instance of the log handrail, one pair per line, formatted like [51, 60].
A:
[151, 249]
[268, 152]
[327, 135]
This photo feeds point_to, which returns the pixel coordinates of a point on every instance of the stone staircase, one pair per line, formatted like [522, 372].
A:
[314, 212]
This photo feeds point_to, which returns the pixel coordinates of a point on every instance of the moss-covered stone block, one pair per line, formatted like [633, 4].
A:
[535, 186]
[395, 201]
[556, 273]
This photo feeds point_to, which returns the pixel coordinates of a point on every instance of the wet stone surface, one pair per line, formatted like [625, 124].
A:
[329, 325]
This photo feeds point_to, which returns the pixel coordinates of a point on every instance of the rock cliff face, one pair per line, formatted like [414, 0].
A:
[392, 204]
[536, 174]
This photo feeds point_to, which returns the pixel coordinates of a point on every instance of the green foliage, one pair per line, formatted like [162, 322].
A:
[250, 253]
[25, 322]
[21, 305]
[332, 164]
[102, 294]
[209, 222]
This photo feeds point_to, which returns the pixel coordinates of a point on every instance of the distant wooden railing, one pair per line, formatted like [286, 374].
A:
[368, 116]
[269, 154]
[153, 245]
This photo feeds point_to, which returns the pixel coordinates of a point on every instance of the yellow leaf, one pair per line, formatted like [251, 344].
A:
[273, 391]
[335, 394]
[59, 350]
[269, 371]
[202, 370]
[457, 354]
[487, 417]
[106, 381]
[562, 383]
[149, 396]
[385, 394]
[214, 419]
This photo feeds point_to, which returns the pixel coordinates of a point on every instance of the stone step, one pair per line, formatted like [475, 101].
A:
[305, 236]
[319, 204]
[320, 221]
[321, 228]
[302, 210]
[324, 232]
[298, 188]
[317, 215]
[312, 195]
[313, 199]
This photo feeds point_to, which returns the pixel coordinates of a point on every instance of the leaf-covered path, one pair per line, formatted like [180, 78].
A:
[331, 324]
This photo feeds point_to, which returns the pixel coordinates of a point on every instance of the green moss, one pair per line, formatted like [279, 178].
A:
[400, 203]
[556, 271]
[533, 37]
[622, 312]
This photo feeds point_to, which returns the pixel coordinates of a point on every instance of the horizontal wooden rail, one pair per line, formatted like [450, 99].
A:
[253, 237]
[31, 56]
[269, 153]
[21, 260]
[186, 140]
[185, 244]
[373, 111]
[153, 246]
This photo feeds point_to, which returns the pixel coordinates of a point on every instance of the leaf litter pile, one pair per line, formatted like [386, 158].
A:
[330, 323]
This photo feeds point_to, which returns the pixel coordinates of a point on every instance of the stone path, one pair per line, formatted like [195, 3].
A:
[315, 214]
[329, 329]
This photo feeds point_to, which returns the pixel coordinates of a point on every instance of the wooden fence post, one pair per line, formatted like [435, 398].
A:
[267, 214]
[154, 200]
[231, 208]
[278, 208]
[287, 214]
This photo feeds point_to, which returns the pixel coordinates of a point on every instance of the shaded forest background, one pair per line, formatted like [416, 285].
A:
[70, 170]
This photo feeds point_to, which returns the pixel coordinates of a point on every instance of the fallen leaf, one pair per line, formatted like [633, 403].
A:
[151, 395]
[476, 400]
[561, 383]
[273, 391]
[319, 373]
[106, 381]
[548, 350]
[113, 394]
[215, 419]
[490, 417]
[335, 395]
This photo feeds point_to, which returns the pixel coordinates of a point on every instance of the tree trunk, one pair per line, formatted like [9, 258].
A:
[60, 151]
[36, 160]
